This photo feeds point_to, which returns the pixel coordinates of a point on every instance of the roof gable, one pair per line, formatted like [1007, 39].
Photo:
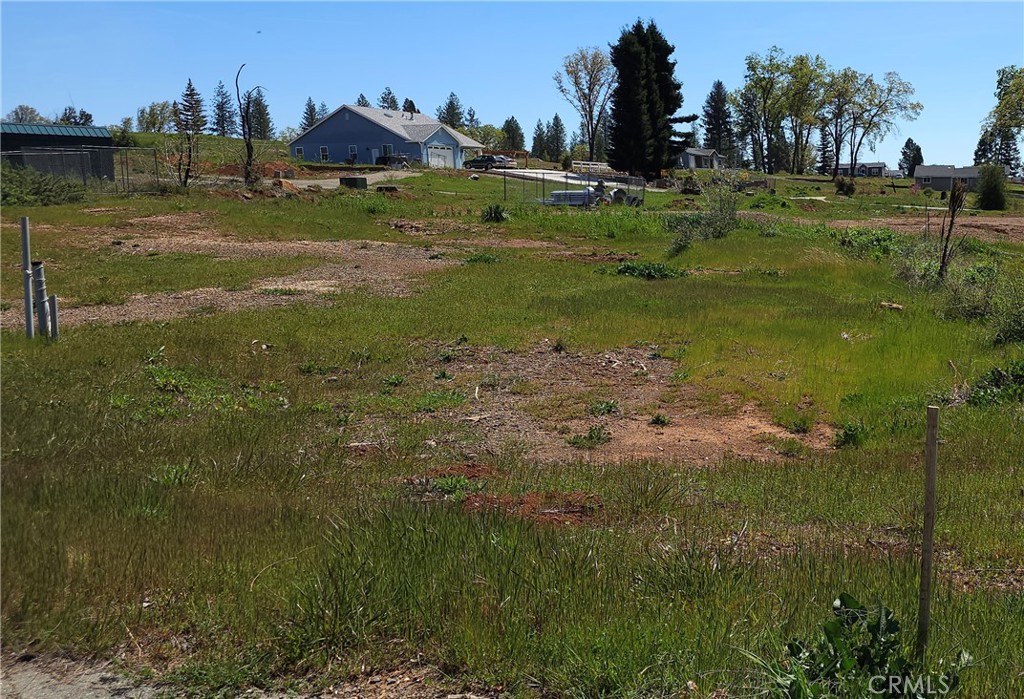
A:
[412, 127]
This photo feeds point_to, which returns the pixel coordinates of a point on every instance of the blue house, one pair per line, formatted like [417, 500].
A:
[360, 135]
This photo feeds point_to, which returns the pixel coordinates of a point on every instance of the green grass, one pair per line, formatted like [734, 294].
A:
[169, 482]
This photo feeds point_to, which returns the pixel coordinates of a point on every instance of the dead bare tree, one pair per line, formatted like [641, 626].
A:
[957, 199]
[249, 174]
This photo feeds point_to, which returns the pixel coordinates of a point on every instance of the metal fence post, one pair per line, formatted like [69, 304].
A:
[39, 278]
[54, 329]
[26, 268]
[924, 600]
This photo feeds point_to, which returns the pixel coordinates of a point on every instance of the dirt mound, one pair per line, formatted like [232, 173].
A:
[547, 507]
[1003, 229]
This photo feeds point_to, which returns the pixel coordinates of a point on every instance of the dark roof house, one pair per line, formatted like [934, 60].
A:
[941, 177]
[65, 151]
[865, 169]
[353, 135]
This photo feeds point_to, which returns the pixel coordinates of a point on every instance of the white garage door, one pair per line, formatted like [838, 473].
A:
[441, 156]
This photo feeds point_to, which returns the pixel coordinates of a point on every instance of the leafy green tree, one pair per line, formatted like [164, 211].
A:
[586, 82]
[387, 100]
[409, 106]
[878, 106]
[451, 113]
[555, 138]
[719, 133]
[361, 101]
[156, 118]
[225, 114]
[72, 118]
[991, 188]
[804, 93]
[513, 137]
[910, 157]
[644, 100]
[838, 109]
[189, 123]
[262, 124]
[1009, 109]
[766, 95]
[538, 145]
[309, 116]
[24, 114]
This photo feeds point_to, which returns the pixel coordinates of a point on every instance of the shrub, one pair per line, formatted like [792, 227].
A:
[482, 257]
[854, 650]
[846, 187]
[567, 162]
[1007, 316]
[999, 385]
[851, 434]
[991, 188]
[495, 213]
[594, 437]
[720, 202]
[648, 270]
[25, 186]
[876, 242]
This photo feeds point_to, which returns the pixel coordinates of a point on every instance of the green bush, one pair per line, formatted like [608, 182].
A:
[648, 270]
[1007, 311]
[991, 188]
[495, 213]
[999, 385]
[846, 187]
[876, 242]
[20, 186]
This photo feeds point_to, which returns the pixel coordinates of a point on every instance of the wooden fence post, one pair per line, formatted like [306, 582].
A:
[931, 459]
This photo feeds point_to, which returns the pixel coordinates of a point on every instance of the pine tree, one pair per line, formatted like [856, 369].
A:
[824, 151]
[262, 125]
[555, 138]
[189, 121]
[450, 113]
[409, 106]
[361, 101]
[472, 122]
[387, 100]
[225, 114]
[666, 99]
[513, 139]
[308, 115]
[537, 146]
[322, 111]
[911, 157]
[718, 129]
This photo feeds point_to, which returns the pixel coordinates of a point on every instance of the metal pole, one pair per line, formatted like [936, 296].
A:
[54, 330]
[504, 180]
[931, 460]
[26, 268]
[39, 277]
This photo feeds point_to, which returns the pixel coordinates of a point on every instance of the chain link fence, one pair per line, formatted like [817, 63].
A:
[100, 169]
[581, 189]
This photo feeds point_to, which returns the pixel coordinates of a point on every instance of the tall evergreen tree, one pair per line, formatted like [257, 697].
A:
[538, 144]
[472, 122]
[409, 106]
[451, 113]
[189, 121]
[322, 111]
[717, 120]
[824, 151]
[645, 98]
[225, 114]
[910, 157]
[309, 116]
[361, 101]
[513, 138]
[555, 138]
[387, 100]
[262, 124]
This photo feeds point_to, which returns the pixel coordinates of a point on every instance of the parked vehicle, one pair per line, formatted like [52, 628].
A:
[400, 161]
[482, 162]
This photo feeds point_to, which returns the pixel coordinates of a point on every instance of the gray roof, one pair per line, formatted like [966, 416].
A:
[944, 171]
[414, 128]
[881, 165]
[701, 151]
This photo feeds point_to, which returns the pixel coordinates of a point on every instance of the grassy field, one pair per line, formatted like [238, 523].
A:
[281, 497]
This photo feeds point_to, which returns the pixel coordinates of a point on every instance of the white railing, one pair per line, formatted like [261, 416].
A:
[587, 166]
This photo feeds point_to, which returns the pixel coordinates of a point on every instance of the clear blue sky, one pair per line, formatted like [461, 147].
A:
[499, 58]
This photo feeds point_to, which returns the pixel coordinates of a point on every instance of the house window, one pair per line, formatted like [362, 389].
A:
[926, 180]
[325, 156]
[388, 149]
[298, 152]
[353, 150]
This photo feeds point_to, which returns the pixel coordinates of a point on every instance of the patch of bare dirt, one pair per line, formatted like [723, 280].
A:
[469, 471]
[483, 236]
[540, 399]
[1004, 229]
[548, 507]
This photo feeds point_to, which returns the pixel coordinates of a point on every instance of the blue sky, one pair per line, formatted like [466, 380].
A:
[499, 58]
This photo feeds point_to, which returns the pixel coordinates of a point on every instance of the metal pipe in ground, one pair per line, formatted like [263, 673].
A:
[26, 268]
[42, 306]
[54, 329]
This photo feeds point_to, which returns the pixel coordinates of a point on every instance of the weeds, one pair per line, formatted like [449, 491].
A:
[603, 407]
[648, 270]
[595, 437]
[495, 213]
